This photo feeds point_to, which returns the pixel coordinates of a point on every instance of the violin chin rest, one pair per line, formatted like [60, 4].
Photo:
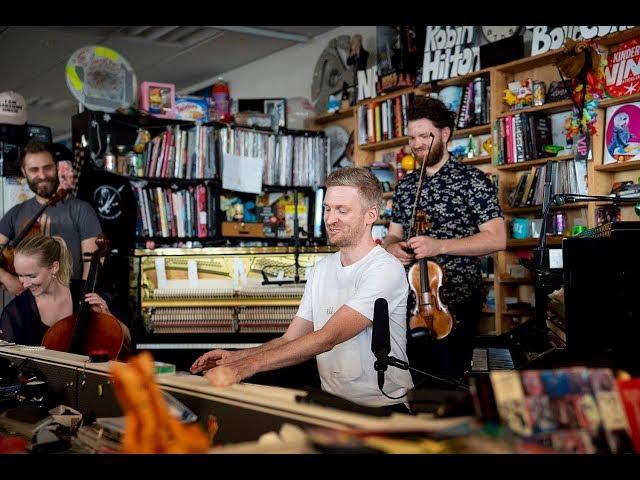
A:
[421, 333]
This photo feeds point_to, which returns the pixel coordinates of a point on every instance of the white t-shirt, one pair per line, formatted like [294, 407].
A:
[348, 370]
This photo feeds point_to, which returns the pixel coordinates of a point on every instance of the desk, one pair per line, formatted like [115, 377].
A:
[244, 411]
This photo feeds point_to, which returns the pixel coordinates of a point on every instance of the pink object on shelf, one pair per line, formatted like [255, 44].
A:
[158, 99]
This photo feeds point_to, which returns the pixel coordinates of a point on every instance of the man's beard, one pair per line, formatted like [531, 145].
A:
[44, 188]
[435, 154]
[346, 238]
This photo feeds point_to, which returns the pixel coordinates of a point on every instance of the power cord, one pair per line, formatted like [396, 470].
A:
[405, 366]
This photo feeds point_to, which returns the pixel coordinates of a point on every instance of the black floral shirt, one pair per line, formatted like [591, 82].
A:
[457, 199]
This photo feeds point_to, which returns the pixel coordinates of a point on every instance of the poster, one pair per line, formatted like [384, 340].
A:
[622, 133]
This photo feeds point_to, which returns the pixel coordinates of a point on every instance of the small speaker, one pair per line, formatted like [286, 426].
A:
[502, 51]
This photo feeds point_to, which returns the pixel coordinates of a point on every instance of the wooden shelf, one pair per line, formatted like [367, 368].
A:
[619, 166]
[382, 222]
[533, 242]
[618, 100]
[480, 160]
[527, 164]
[538, 208]
[236, 302]
[477, 130]
[488, 311]
[461, 80]
[332, 117]
[619, 37]
[384, 96]
[552, 107]
[394, 142]
[487, 280]
[529, 63]
[387, 195]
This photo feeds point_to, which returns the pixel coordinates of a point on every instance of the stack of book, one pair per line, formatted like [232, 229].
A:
[384, 119]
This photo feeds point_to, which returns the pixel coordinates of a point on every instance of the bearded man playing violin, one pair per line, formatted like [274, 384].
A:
[464, 222]
[72, 219]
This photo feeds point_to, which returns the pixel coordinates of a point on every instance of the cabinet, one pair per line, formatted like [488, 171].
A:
[510, 284]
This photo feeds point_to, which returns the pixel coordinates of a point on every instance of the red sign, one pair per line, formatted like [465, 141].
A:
[622, 73]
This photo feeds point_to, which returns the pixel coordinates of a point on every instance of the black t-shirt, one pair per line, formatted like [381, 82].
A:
[457, 200]
[20, 320]
[72, 219]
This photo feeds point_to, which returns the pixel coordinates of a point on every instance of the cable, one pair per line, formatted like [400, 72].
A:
[405, 366]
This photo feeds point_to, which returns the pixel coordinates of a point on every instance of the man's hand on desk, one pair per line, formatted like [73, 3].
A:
[231, 373]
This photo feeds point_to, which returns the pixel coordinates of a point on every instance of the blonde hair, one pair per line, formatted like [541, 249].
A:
[48, 250]
[367, 183]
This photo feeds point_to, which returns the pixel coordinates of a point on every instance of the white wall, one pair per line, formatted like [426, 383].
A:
[289, 72]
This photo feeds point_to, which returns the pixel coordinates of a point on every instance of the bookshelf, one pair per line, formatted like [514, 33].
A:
[600, 177]
[185, 210]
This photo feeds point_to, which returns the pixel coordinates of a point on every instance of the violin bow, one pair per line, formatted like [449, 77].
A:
[412, 228]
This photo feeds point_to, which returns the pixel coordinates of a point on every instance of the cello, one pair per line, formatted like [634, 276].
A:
[430, 318]
[31, 227]
[86, 331]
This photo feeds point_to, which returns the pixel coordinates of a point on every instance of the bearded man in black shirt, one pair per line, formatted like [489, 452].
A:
[465, 222]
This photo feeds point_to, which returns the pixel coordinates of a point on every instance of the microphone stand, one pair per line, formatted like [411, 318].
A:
[381, 366]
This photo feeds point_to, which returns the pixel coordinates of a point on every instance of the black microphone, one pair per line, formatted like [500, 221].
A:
[380, 339]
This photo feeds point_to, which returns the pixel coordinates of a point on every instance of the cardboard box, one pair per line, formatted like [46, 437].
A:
[242, 229]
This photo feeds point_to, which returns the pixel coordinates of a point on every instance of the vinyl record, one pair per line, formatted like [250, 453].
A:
[101, 79]
[338, 138]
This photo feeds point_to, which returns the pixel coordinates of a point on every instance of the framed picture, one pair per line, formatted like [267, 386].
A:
[277, 107]
[158, 99]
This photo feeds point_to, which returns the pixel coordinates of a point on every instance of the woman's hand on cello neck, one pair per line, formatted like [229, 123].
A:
[98, 304]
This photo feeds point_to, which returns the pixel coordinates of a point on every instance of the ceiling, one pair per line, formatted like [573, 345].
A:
[34, 58]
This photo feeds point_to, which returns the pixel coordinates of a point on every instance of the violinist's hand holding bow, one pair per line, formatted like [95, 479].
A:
[425, 247]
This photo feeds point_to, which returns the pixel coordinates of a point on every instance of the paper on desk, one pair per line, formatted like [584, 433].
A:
[242, 174]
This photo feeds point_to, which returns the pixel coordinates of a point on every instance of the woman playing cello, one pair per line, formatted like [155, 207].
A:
[43, 266]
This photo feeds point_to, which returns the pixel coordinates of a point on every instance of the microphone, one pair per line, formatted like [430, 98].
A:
[380, 339]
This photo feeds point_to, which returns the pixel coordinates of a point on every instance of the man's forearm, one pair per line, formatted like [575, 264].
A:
[482, 243]
[270, 345]
[290, 353]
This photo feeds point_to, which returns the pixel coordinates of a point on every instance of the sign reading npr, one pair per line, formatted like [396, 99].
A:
[449, 52]
[547, 38]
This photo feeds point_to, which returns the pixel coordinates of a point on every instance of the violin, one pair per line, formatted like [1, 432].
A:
[30, 227]
[430, 318]
[87, 331]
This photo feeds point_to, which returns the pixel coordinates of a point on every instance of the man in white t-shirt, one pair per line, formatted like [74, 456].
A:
[334, 321]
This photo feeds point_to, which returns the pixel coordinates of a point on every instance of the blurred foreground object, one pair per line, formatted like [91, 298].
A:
[149, 426]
